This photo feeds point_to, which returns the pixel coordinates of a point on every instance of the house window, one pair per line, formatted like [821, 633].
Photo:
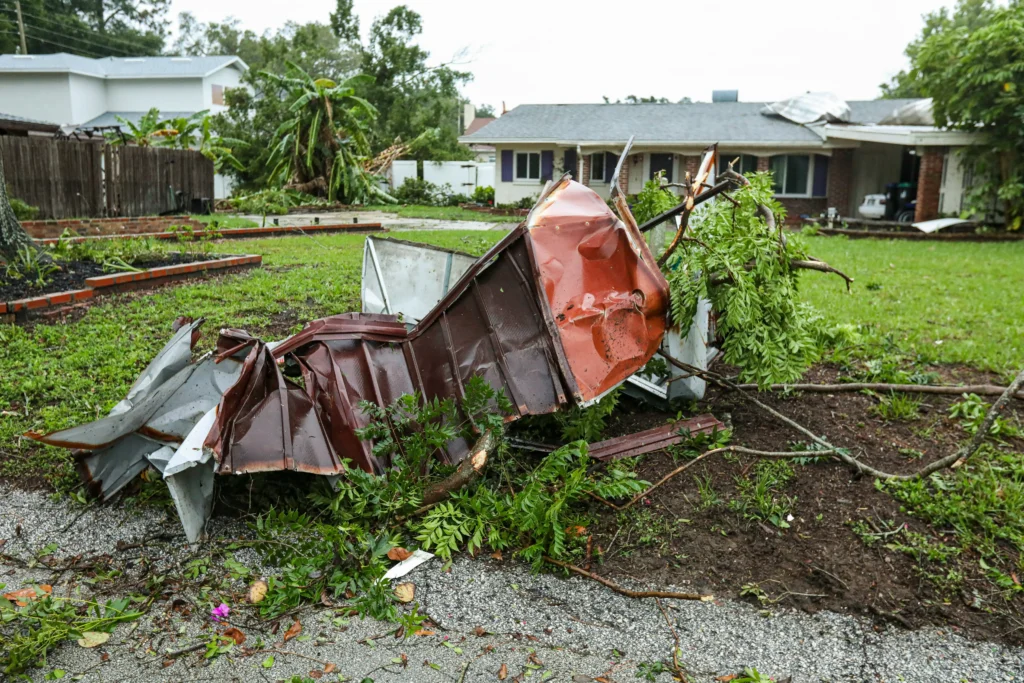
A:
[218, 94]
[597, 170]
[792, 174]
[661, 163]
[527, 165]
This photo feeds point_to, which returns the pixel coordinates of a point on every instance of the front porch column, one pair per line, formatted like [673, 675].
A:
[764, 164]
[929, 184]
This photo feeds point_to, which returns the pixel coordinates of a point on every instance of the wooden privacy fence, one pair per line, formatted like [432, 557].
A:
[71, 179]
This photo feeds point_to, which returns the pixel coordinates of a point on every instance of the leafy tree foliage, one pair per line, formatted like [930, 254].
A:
[410, 95]
[485, 111]
[633, 99]
[344, 21]
[731, 257]
[92, 28]
[968, 15]
[975, 75]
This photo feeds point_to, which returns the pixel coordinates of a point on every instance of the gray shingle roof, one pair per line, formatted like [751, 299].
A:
[110, 118]
[118, 67]
[698, 123]
[22, 119]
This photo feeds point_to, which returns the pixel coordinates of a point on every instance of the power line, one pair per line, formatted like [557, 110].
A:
[76, 39]
[49, 42]
[68, 29]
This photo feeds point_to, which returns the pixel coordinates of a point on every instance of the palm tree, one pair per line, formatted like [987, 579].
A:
[322, 149]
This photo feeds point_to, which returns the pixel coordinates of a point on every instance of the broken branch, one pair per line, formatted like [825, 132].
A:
[468, 471]
[860, 467]
[625, 591]
[714, 451]
[947, 389]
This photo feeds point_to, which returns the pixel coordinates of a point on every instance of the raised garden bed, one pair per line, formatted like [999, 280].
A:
[494, 210]
[83, 280]
[236, 233]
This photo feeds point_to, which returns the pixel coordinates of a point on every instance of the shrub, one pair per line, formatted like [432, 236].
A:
[24, 211]
[416, 191]
[484, 195]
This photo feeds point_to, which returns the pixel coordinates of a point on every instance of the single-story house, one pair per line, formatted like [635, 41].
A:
[828, 162]
[23, 127]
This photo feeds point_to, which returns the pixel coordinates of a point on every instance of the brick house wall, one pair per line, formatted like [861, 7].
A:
[840, 180]
[624, 175]
[929, 184]
[764, 164]
[586, 170]
[799, 205]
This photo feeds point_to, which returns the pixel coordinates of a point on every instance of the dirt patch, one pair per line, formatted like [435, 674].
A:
[675, 538]
[73, 274]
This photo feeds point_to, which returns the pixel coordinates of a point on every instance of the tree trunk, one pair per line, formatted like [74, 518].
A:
[13, 238]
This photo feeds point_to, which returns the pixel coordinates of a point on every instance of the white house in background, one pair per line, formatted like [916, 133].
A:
[82, 92]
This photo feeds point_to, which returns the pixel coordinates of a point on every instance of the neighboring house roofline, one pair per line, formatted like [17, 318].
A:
[76, 66]
[911, 136]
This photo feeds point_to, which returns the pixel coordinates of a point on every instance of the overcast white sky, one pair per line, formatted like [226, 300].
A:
[546, 51]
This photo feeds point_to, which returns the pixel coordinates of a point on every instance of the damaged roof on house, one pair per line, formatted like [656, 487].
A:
[699, 123]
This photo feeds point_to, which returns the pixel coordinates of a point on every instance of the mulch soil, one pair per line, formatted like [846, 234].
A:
[73, 275]
[818, 563]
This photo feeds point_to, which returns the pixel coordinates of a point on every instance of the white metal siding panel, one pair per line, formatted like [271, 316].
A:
[88, 97]
[45, 97]
[166, 94]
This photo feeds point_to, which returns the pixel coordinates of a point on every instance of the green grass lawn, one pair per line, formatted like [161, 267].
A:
[969, 296]
[445, 213]
[945, 302]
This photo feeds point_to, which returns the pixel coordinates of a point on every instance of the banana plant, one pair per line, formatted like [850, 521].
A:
[145, 133]
[323, 148]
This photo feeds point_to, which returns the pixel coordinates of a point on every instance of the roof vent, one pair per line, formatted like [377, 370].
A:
[134, 59]
[24, 56]
[181, 59]
[725, 95]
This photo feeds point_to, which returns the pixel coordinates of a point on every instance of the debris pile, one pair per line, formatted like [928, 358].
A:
[561, 311]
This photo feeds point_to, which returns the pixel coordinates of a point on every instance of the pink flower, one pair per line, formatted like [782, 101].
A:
[220, 612]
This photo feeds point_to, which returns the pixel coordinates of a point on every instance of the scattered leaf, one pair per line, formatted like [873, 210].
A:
[480, 631]
[503, 672]
[268, 662]
[316, 673]
[727, 678]
[329, 669]
[405, 592]
[235, 635]
[257, 591]
[25, 595]
[576, 530]
[398, 554]
[496, 555]
[533, 659]
[424, 632]
[293, 630]
[167, 662]
[93, 638]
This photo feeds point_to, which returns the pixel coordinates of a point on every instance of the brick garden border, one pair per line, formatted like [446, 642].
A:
[20, 310]
[236, 233]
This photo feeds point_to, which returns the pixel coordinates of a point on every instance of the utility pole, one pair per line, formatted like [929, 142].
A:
[21, 27]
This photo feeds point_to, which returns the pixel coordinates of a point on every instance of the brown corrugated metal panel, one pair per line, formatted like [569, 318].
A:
[654, 439]
[498, 322]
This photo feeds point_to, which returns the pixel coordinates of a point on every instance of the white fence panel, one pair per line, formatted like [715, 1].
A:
[400, 170]
[485, 174]
[462, 176]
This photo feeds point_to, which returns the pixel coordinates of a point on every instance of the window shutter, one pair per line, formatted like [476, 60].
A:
[820, 186]
[547, 165]
[610, 160]
[506, 166]
[570, 162]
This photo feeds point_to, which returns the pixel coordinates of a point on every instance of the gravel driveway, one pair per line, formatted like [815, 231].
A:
[538, 626]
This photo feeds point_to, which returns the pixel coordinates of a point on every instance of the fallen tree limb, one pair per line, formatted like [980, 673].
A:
[948, 389]
[469, 470]
[625, 591]
[798, 264]
[715, 451]
[860, 467]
